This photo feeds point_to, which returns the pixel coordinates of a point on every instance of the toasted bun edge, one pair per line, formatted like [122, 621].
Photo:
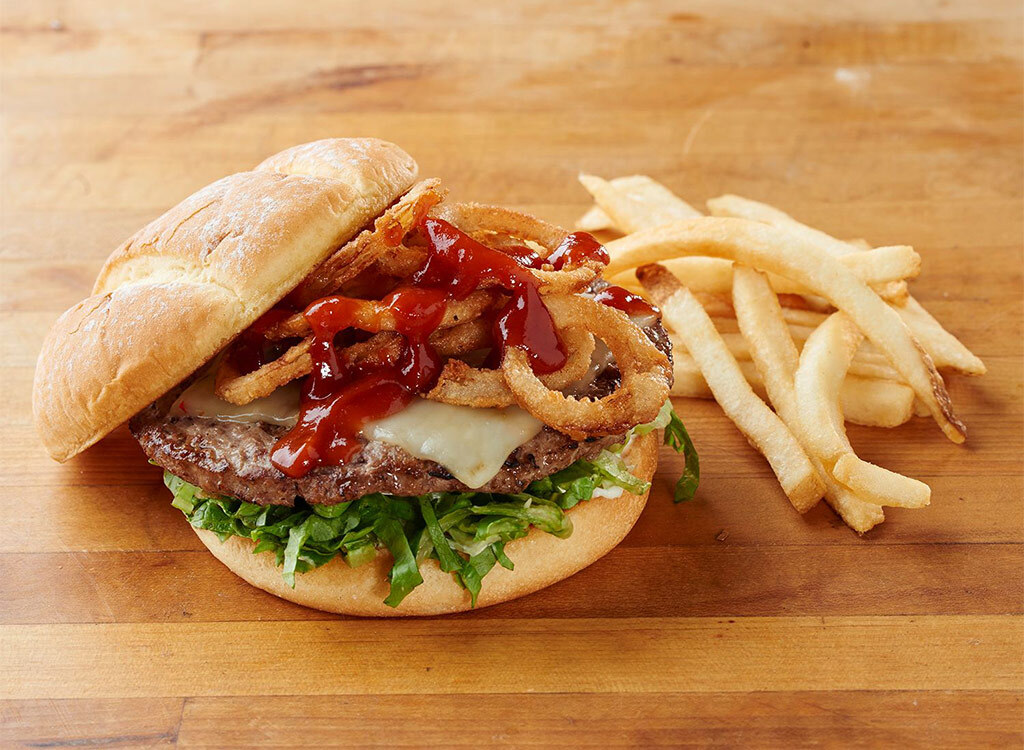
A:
[183, 286]
[540, 559]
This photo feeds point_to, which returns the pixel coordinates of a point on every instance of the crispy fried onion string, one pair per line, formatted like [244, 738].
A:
[372, 313]
[401, 262]
[372, 244]
[383, 348]
[236, 388]
[499, 228]
[645, 375]
[462, 338]
[463, 385]
[644, 370]
[565, 282]
[478, 219]
[393, 249]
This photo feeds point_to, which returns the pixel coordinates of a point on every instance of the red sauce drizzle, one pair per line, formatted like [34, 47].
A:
[629, 303]
[460, 265]
[524, 256]
[339, 399]
[577, 248]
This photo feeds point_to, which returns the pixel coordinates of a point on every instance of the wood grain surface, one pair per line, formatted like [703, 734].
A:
[729, 620]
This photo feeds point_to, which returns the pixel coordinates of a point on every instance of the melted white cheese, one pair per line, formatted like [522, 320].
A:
[599, 362]
[472, 444]
[198, 400]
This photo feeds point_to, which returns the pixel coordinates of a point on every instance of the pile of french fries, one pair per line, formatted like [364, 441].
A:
[792, 331]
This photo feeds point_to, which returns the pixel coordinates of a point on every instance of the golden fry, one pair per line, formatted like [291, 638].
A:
[779, 251]
[761, 426]
[636, 202]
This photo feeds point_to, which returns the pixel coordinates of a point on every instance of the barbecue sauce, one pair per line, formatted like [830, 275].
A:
[622, 299]
[576, 249]
[340, 398]
[524, 256]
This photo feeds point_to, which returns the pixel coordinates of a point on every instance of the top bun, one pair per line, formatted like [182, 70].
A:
[185, 285]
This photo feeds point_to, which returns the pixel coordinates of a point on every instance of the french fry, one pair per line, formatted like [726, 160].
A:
[865, 401]
[884, 264]
[787, 254]
[720, 308]
[893, 292]
[865, 352]
[776, 358]
[822, 366]
[776, 328]
[594, 220]
[689, 382]
[801, 323]
[879, 485]
[751, 415]
[642, 191]
[733, 206]
[876, 403]
[866, 363]
[636, 202]
[884, 268]
[821, 371]
[945, 349]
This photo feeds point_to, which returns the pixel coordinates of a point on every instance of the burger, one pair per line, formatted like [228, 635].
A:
[367, 398]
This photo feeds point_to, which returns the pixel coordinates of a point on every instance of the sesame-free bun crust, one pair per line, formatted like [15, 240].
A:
[182, 287]
[540, 560]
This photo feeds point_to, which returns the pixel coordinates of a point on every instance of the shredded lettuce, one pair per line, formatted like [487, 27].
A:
[677, 438]
[405, 573]
[660, 422]
[465, 532]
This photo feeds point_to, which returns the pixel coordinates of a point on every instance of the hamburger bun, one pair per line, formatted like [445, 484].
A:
[182, 287]
[540, 560]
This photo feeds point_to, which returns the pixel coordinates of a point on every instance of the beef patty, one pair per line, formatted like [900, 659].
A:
[233, 458]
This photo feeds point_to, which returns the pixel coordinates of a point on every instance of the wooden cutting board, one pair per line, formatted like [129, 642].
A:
[728, 620]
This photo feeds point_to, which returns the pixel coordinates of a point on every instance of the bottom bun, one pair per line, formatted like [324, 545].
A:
[541, 559]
